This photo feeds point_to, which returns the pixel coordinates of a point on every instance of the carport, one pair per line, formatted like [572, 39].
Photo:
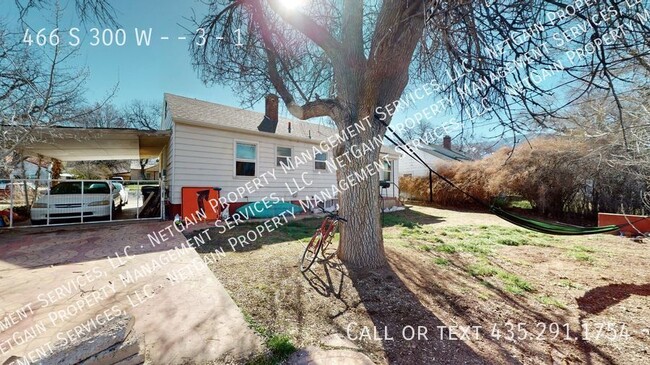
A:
[90, 144]
[96, 144]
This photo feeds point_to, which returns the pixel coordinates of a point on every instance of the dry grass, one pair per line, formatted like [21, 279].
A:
[550, 174]
[452, 268]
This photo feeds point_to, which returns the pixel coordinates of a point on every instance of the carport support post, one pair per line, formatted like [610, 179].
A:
[430, 187]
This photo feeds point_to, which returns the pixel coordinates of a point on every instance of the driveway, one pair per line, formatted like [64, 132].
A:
[55, 282]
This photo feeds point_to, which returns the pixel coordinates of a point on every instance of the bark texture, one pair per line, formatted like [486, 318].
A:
[362, 243]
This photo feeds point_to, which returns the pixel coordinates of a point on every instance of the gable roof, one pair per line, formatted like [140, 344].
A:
[205, 113]
[445, 154]
[194, 111]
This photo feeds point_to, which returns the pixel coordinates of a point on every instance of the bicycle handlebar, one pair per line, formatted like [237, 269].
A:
[332, 215]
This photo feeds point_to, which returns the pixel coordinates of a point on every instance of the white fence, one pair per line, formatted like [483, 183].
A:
[39, 202]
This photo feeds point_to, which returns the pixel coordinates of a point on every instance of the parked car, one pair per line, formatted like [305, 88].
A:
[124, 193]
[66, 201]
[117, 178]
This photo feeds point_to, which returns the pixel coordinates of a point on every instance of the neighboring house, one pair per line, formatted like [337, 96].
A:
[213, 145]
[433, 155]
[29, 169]
[151, 171]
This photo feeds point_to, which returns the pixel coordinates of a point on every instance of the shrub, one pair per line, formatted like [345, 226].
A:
[554, 176]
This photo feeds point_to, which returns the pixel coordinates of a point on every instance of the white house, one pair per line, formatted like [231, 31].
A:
[433, 155]
[213, 145]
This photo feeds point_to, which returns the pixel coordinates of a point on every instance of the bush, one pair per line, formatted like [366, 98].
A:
[556, 176]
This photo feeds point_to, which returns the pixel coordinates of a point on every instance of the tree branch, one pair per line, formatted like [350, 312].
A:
[311, 109]
[312, 30]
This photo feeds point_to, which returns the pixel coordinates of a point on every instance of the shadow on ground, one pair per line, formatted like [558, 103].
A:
[397, 299]
[598, 299]
[396, 314]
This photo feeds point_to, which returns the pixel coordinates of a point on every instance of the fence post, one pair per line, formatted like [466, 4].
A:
[137, 199]
[112, 200]
[162, 199]
[82, 201]
[11, 202]
[430, 187]
[47, 213]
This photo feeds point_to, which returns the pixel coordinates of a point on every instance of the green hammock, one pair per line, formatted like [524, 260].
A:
[524, 222]
[550, 228]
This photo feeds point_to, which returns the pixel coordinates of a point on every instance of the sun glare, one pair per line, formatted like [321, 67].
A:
[294, 4]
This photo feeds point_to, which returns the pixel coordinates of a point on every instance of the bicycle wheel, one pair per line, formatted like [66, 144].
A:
[328, 249]
[311, 251]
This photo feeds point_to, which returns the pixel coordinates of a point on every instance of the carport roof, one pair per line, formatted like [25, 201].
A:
[94, 144]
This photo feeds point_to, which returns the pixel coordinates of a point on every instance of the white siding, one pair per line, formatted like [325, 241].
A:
[168, 161]
[414, 167]
[203, 156]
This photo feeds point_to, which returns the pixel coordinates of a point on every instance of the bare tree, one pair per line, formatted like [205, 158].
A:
[102, 116]
[38, 89]
[143, 115]
[99, 10]
[345, 59]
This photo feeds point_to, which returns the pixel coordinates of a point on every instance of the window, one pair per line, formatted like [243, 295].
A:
[74, 187]
[320, 161]
[283, 155]
[245, 159]
[388, 171]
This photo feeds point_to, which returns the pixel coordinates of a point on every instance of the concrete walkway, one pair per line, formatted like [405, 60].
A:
[55, 285]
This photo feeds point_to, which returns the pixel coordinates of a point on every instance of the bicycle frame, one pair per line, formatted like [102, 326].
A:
[327, 226]
[320, 242]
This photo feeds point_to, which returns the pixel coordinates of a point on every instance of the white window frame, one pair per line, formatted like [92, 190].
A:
[234, 160]
[276, 155]
[325, 161]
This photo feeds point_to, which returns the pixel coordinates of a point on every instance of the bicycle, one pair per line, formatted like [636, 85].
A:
[321, 242]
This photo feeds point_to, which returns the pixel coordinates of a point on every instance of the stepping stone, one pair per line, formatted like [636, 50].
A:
[117, 353]
[112, 333]
[313, 355]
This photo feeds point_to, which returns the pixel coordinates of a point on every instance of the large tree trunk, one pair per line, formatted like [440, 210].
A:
[362, 243]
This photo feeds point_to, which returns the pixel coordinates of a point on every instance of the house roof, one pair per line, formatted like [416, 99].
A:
[198, 111]
[445, 154]
[205, 113]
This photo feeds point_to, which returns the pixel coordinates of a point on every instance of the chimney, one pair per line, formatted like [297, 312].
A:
[272, 107]
[446, 142]
[270, 121]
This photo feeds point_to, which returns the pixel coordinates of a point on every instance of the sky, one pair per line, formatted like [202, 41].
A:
[140, 71]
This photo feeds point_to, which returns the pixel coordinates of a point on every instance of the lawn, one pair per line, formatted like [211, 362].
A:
[483, 290]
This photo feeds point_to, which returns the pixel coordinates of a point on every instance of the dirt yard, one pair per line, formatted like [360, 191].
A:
[477, 289]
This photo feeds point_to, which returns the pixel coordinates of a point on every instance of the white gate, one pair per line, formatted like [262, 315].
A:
[40, 202]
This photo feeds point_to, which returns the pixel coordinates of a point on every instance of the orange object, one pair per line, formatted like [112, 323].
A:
[200, 199]
[641, 223]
